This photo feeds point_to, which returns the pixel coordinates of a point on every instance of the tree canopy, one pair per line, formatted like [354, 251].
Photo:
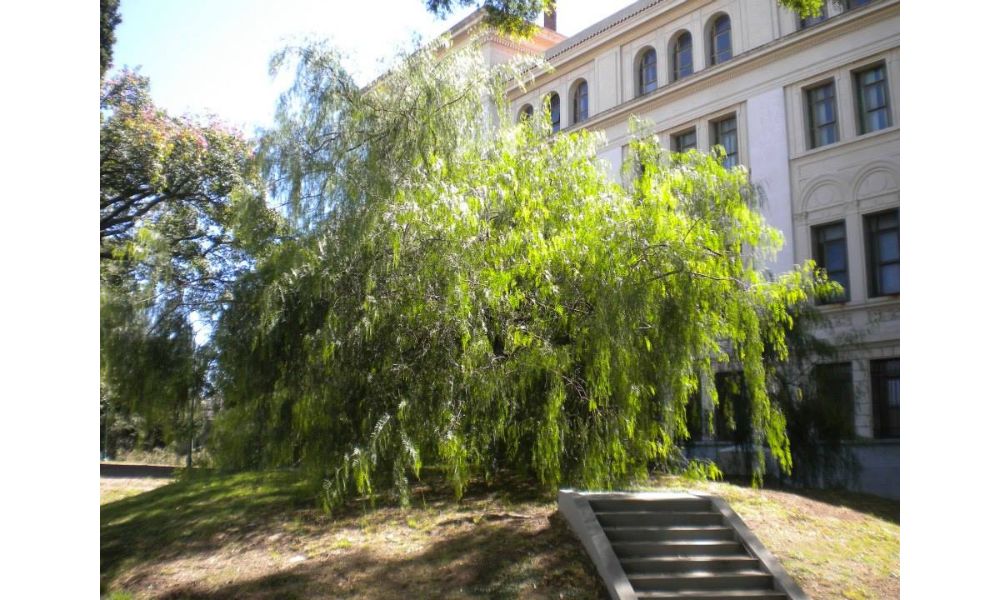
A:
[110, 18]
[482, 295]
[181, 212]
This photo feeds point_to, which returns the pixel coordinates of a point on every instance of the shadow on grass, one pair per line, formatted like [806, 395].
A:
[490, 561]
[503, 557]
[194, 515]
[882, 508]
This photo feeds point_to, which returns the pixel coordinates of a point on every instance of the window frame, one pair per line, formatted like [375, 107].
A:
[643, 70]
[860, 109]
[675, 137]
[807, 22]
[581, 85]
[872, 251]
[822, 376]
[819, 255]
[732, 159]
[883, 372]
[676, 53]
[714, 52]
[811, 103]
[555, 111]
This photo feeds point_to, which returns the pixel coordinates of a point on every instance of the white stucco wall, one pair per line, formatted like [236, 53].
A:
[768, 142]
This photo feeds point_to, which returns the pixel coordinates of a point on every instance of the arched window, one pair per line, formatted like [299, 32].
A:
[646, 79]
[526, 111]
[554, 111]
[581, 109]
[722, 41]
[683, 56]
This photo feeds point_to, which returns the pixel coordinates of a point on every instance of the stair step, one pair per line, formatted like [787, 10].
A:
[713, 595]
[704, 564]
[639, 518]
[659, 504]
[678, 549]
[742, 580]
[670, 533]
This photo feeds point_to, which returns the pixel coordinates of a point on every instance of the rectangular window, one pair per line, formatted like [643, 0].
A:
[695, 417]
[684, 141]
[885, 397]
[732, 415]
[810, 21]
[833, 401]
[821, 107]
[882, 245]
[857, 3]
[830, 253]
[724, 134]
[872, 90]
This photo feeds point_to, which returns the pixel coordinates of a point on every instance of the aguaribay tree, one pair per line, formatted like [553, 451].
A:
[483, 296]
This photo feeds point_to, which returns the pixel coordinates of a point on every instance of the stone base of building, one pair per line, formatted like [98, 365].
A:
[868, 466]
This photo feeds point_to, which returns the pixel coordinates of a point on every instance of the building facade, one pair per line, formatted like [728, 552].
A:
[811, 107]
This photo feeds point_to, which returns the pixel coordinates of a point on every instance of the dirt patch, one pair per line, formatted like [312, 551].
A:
[263, 539]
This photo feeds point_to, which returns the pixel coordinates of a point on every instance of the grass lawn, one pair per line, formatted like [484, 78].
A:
[834, 544]
[260, 536]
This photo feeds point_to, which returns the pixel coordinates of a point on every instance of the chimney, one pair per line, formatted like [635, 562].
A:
[550, 19]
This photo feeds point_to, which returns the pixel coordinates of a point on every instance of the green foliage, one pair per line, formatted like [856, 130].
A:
[699, 469]
[181, 215]
[514, 17]
[110, 18]
[481, 296]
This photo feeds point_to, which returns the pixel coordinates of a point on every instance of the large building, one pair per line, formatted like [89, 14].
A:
[811, 108]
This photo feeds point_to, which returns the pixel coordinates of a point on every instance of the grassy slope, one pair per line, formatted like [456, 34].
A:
[259, 536]
[834, 544]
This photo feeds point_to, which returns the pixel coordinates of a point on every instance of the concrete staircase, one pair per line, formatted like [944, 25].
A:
[675, 546]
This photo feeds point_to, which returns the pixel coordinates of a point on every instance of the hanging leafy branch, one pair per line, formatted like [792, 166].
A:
[479, 295]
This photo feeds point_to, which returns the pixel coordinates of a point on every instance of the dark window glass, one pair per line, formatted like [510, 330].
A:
[724, 133]
[580, 108]
[873, 99]
[821, 103]
[684, 141]
[856, 3]
[683, 56]
[732, 415]
[883, 253]
[833, 401]
[809, 22]
[554, 110]
[647, 72]
[722, 40]
[830, 253]
[885, 397]
[695, 420]
[527, 111]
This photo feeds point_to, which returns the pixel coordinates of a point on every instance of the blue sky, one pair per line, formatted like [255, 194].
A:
[211, 56]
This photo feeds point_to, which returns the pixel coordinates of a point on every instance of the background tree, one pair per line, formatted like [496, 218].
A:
[182, 213]
[485, 297]
[110, 18]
